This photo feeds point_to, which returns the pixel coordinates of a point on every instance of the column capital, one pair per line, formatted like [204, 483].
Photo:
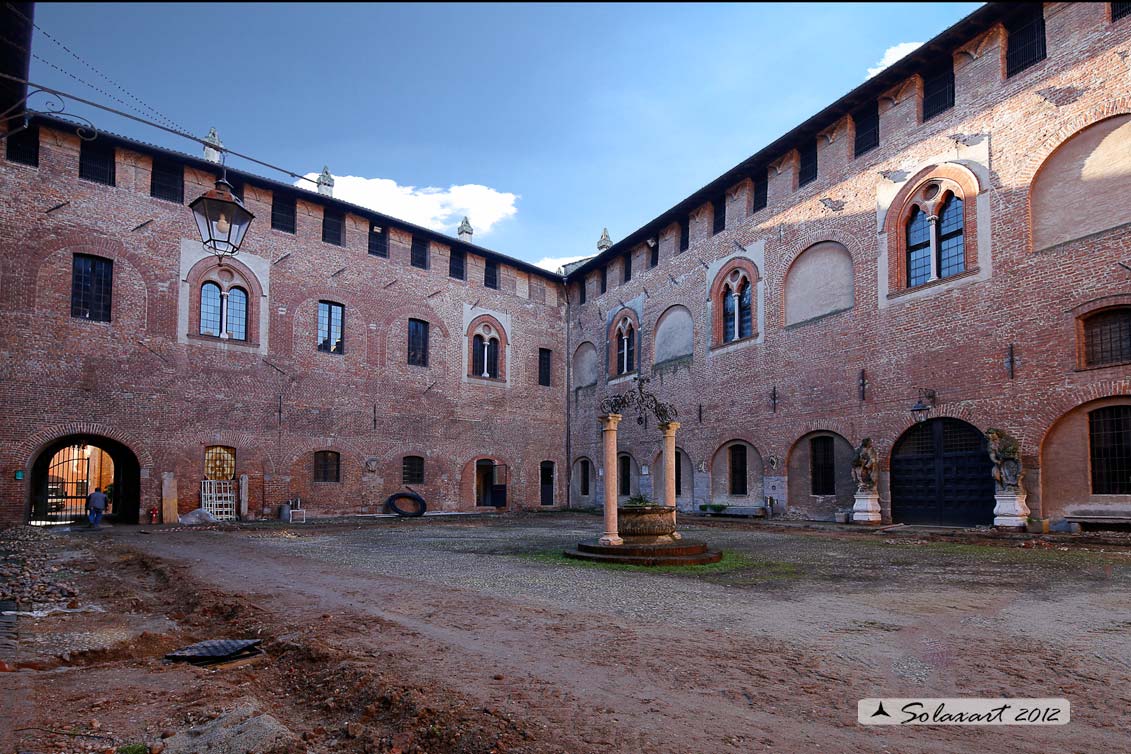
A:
[669, 428]
[610, 421]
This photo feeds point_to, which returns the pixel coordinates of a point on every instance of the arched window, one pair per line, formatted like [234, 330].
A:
[486, 338]
[237, 314]
[327, 466]
[1107, 338]
[738, 321]
[931, 227]
[219, 462]
[626, 348]
[210, 306]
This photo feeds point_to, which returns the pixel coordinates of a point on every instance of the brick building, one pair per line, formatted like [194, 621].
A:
[957, 224]
[953, 231]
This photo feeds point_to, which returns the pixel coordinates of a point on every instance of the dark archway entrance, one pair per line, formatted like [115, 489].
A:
[69, 468]
[941, 475]
[490, 484]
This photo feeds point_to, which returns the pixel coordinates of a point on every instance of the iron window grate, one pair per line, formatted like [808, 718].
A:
[96, 162]
[327, 466]
[419, 253]
[1120, 10]
[412, 470]
[1107, 338]
[167, 181]
[938, 91]
[457, 264]
[491, 273]
[331, 323]
[333, 227]
[418, 342]
[867, 121]
[283, 213]
[1109, 431]
[378, 241]
[1026, 42]
[822, 466]
[92, 281]
[807, 168]
[760, 194]
[23, 146]
[719, 216]
[544, 358]
[919, 441]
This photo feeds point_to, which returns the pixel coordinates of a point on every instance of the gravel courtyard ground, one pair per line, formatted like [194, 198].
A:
[472, 634]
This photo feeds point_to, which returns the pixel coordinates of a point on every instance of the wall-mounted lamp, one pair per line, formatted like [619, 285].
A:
[922, 408]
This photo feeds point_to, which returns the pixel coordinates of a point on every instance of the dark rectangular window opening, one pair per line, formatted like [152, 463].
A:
[378, 241]
[412, 470]
[604, 279]
[1107, 338]
[331, 324]
[491, 273]
[581, 291]
[96, 162]
[23, 146]
[1026, 42]
[1109, 431]
[167, 181]
[938, 91]
[738, 470]
[283, 212]
[822, 468]
[626, 266]
[867, 121]
[1120, 10]
[584, 481]
[419, 253]
[807, 164]
[685, 235]
[457, 264]
[92, 284]
[418, 342]
[237, 187]
[333, 227]
[654, 255]
[544, 357]
[327, 466]
[760, 194]
[719, 215]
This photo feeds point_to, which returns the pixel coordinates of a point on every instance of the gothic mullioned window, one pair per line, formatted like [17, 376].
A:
[487, 341]
[733, 302]
[626, 347]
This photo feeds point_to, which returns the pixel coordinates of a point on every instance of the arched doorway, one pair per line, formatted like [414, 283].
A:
[71, 467]
[941, 475]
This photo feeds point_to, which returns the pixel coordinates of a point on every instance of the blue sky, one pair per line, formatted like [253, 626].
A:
[550, 121]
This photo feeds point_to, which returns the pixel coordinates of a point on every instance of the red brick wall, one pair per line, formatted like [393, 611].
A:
[167, 395]
[953, 339]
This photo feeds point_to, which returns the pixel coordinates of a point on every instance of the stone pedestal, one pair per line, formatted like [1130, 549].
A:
[609, 435]
[1010, 511]
[866, 509]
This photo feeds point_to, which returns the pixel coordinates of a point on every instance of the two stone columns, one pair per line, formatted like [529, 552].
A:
[609, 435]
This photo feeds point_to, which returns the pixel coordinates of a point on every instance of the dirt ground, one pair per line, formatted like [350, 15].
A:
[473, 635]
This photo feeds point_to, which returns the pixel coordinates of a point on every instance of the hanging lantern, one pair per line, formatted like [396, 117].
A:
[221, 219]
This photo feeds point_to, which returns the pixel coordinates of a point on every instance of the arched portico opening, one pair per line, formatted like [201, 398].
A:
[69, 468]
[941, 474]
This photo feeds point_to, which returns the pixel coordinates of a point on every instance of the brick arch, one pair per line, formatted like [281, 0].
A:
[395, 339]
[963, 411]
[209, 270]
[499, 331]
[35, 443]
[467, 478]
[807, 433]
[355, 332]
[783, 299]
[957, 180]
[1055, 407]
[629, 315]
[337, 444]
[51, 278]
[243, 442]
[746, 267]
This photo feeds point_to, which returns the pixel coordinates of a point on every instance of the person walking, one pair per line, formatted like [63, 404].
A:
[96, 506]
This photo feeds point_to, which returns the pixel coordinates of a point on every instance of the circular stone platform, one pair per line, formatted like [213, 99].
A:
[681, 552]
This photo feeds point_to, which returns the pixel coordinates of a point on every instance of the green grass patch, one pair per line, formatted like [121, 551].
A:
[732, 563]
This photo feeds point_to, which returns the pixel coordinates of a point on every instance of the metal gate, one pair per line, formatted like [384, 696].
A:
[941, 475]
[218, 497]
[61, 498]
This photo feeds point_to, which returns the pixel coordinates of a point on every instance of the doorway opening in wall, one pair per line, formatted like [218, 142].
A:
[70, 468]
[941, 475]
[490, 484]
[546, 474]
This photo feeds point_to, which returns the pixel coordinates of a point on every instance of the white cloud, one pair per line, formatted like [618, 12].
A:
[440, 209]
[891, 55]
[553, 263]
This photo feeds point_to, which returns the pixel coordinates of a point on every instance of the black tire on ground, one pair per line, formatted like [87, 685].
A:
[416, 506]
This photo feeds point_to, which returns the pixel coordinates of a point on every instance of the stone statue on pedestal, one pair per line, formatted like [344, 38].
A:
[864, 466]
[1005, 452]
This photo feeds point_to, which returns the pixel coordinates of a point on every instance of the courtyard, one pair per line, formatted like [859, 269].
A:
[470, 634]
